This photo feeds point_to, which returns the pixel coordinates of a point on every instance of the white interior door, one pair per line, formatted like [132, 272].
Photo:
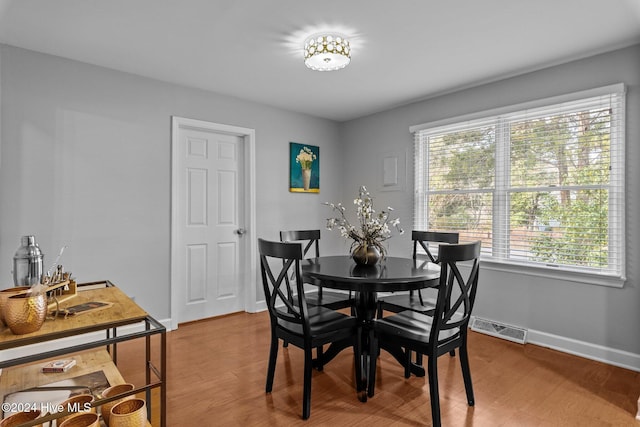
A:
[209, 240]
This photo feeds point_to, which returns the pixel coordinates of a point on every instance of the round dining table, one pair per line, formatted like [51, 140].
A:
[391, 274]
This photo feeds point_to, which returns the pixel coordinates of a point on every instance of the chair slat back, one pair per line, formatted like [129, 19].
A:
[278, 293]
[455, 313]
[310, 238]
[423, 238]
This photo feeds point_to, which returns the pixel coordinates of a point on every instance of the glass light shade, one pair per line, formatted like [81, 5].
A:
[327, 52]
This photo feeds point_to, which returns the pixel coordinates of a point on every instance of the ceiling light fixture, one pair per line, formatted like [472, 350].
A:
[327, 52]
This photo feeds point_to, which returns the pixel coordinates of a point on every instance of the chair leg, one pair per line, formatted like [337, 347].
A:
[432, 368]
[418, 358]
[319, 353]
[407, 363]
[466, 374]
[373, 353]
[357, 360]
[273, 355]
[306, 387]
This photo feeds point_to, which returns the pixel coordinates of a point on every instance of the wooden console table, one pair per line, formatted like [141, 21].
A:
[92, 350]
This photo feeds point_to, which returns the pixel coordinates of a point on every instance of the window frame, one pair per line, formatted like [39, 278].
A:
[616, 191]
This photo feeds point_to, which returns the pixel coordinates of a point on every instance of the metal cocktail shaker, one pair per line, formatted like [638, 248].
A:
[27, 263]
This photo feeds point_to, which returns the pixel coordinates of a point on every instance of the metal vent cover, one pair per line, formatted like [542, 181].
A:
[500, 330]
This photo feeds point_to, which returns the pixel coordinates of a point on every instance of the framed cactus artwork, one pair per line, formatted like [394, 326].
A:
[304, 168]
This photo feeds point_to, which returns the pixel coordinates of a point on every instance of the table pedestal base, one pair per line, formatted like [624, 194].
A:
[365, 309]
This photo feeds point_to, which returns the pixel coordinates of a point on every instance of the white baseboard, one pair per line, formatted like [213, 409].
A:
[610, 356]
[620, 358]
[261, 306]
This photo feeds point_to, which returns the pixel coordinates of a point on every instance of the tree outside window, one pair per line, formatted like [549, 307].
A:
[542, 186]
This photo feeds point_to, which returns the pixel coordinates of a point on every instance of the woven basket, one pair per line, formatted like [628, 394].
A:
[105, 409]
[86, 419]
[129, 413]
[77, 403]
[20, 418]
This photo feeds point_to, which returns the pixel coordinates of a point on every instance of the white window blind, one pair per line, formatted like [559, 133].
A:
[542, 185]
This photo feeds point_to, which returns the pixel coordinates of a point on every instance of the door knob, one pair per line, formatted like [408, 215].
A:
[240, 231]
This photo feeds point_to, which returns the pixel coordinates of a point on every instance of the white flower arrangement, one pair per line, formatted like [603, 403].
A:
[305, 158]
[374, 229]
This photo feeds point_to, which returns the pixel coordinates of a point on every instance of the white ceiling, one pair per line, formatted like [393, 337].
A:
[402, 50]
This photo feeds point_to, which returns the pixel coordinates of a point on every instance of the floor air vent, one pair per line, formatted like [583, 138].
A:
[499, 330]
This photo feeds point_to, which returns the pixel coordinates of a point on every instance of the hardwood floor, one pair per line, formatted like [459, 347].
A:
[217, 370]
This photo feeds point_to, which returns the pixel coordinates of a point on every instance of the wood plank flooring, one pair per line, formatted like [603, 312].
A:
[217, 370]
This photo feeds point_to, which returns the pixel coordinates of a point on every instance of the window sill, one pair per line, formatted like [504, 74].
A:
[571, 276]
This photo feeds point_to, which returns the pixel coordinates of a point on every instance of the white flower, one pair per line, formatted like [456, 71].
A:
[305, 158]
[374, 228]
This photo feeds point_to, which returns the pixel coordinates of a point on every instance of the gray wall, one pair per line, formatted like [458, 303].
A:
[85, 162]
[556, 311]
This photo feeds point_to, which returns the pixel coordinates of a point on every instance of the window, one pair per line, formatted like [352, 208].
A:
[541, 184]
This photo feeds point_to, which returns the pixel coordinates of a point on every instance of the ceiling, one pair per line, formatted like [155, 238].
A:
[402, 51]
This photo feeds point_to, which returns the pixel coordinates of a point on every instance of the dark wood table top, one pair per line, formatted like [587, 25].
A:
[390, 275]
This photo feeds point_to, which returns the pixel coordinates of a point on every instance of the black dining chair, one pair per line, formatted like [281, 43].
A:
[304, 326]
[414, 299]
[436, 335]
[324, 297]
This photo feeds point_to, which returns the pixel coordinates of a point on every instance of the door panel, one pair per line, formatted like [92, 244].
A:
[196, 273]
[197, 197]
[226, 256]
[209, 210]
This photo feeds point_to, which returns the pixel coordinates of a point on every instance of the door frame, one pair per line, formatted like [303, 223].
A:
[249, 269]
